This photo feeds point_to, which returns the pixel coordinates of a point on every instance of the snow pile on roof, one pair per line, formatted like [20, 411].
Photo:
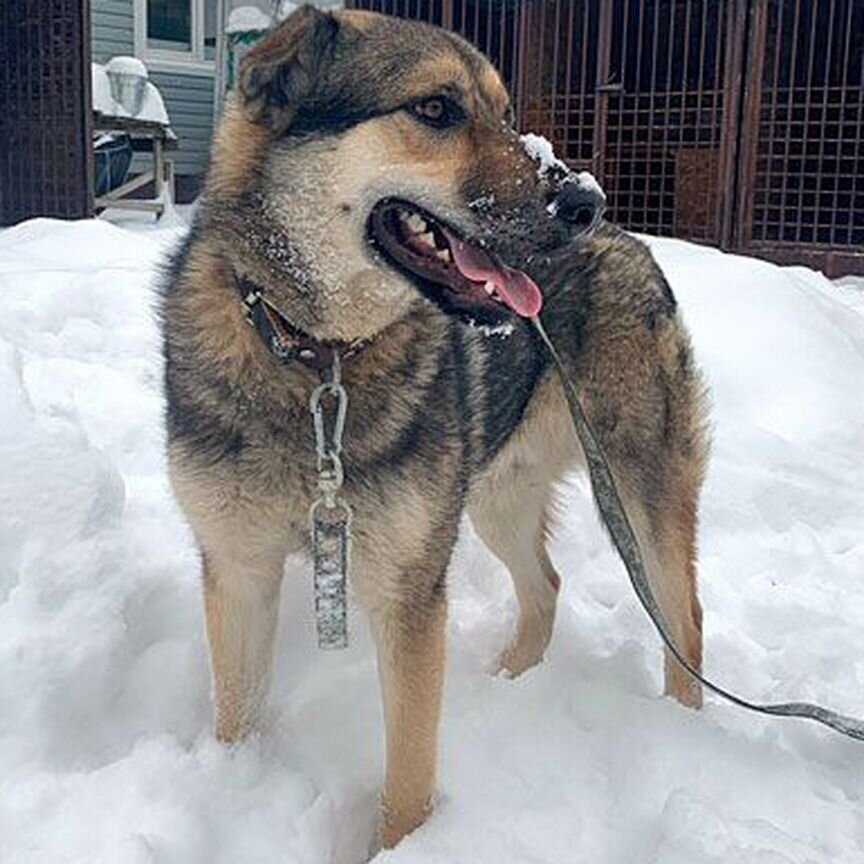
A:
[152, 107]
[245, 19]
[105, 749]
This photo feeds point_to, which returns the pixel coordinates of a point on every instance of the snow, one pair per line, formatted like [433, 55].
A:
[105, 748]
[286, 7]
[152, 106]
[540, 150]
[247, 18]
[103, 101]
[588, 181]
[126, 66]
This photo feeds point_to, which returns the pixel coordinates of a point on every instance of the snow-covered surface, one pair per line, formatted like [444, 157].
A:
[247, 18]
[853, 283]
[126, 66]
[103, 101]
[105, 751]
[285, 7]
[244, 19]
[152, 106]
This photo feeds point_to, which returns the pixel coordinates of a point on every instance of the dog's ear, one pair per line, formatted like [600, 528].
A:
[280, 73]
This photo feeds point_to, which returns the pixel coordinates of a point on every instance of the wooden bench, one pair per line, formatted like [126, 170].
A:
[147, 136]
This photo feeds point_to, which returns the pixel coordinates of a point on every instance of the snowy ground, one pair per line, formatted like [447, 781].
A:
[105, 753]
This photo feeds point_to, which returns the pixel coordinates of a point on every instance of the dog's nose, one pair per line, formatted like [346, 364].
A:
[580, 203]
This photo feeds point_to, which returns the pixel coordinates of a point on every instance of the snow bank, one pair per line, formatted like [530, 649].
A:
[105, 751]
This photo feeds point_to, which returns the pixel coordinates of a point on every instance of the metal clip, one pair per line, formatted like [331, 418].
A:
[333, 388]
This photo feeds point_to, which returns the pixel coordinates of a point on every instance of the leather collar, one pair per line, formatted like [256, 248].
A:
[287, 343]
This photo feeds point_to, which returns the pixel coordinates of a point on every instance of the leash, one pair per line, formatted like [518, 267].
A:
[624, 538]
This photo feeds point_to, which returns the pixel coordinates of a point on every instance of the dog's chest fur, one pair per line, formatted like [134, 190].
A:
[430, 403]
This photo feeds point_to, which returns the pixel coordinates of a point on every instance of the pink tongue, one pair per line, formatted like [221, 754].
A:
[515, 288]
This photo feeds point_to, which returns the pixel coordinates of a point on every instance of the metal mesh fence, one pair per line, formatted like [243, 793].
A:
[805, 119]
[733, 122]
[45, 155]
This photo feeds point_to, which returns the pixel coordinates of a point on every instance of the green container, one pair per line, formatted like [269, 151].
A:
[239, 44]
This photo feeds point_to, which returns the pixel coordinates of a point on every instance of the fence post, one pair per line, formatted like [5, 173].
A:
[749, 86]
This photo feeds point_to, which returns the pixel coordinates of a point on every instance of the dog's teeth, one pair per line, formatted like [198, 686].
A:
[443, 254]
[428, 238]
[489, 288]
[416, 223]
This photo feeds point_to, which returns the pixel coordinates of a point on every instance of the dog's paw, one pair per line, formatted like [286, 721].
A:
[528, 648]
[684, 689]
[516, 660]
[397, 822]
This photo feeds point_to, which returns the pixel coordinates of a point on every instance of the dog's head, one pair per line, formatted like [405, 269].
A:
[365, 157]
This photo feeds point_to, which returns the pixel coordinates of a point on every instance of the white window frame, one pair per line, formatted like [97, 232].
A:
[174, 61]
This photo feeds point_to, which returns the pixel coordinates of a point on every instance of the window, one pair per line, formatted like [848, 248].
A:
[169, 25]
[176, 34]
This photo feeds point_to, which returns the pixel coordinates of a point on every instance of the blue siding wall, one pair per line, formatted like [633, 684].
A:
[113, 29]
[189, 100]
[188, 97]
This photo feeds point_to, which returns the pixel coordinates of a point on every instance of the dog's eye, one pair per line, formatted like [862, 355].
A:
[439, 112]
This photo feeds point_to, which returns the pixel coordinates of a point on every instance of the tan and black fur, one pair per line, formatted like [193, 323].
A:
[442, 417]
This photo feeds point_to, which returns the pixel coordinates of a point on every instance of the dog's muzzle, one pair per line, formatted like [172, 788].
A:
[580, 202]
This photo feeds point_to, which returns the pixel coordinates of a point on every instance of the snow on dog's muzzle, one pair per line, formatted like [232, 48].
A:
[579, 199]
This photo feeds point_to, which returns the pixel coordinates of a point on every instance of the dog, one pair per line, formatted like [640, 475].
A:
[367, 182]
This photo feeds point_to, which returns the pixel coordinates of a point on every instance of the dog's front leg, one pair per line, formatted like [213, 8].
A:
[410, 637]
[241, 602]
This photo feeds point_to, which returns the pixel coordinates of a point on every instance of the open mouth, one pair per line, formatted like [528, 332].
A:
[468, 279]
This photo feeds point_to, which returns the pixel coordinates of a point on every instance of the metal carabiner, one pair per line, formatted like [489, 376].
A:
[334, 388]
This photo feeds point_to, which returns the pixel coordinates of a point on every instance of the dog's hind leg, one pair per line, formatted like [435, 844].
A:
[678, 556]
[654, 437]
[666, 530]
